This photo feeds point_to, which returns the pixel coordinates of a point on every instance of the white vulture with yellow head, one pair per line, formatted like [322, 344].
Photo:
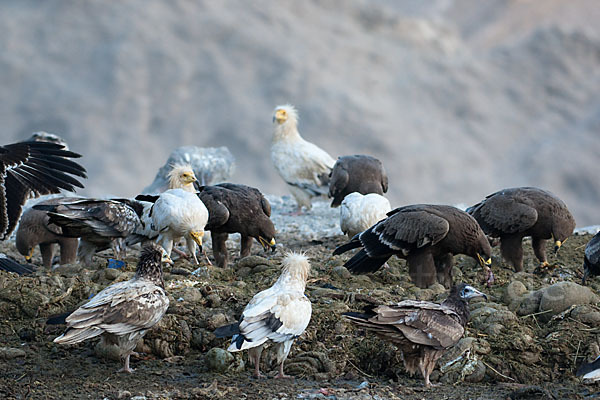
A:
[302, 165]
[279, 314]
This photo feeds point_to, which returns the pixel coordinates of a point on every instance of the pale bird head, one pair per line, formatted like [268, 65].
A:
[181, 176]
[165, 258]
[296, 265]
[197, 237]
[467, 292]
[285, 113]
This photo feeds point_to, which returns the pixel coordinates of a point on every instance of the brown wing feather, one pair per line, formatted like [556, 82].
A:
[417, 227]
[505, 213]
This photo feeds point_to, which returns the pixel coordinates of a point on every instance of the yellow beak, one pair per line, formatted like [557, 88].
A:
[197, 237]
[483, 262]
[28, 256]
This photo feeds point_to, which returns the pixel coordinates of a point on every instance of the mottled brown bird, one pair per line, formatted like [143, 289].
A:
[35, 229]
[512, 214]
[123, 312]
[235, 208]
[31, 169]
[357, 173]
[427, 236]
[422, 330]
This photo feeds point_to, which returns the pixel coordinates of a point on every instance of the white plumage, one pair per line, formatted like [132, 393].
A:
[359, 212]
[279, 314]
[302, 165]
[178, 213]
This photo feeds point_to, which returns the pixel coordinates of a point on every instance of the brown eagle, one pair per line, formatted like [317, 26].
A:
[512, 214]
[357, 173]
[427, 236]
[422, 330]
[235, 208]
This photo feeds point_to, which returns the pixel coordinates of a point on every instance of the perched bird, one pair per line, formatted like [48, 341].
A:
[35, 229]
[177, 214]
[31, 169]
[360, 212]
[591, 259]
[590, 371]
[237, 208]
[302, 165]
[9, 265]
[358, 173]
[279, 314]
[427, 236]
[422, 330]
[512, 214]
[123, 312]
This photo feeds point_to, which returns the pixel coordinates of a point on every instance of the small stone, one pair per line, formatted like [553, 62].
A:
[253, 261]
[243, 272]
[218, 360]
[213, 300]
[562, 295]
[478, 373]
[111, 274]
[339, 328]
[180, 271]
[216, 320]
[8, 353]
[341, 272]
[240, 284]
[530, 304]
[192, 295]
[260, 268]
[514, 291]
[123, 394]
[494, 329]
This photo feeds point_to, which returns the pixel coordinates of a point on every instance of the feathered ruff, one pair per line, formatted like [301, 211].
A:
[31, 169]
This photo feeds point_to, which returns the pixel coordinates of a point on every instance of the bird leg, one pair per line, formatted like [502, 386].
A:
[511, 248]
[246, 246]
[180, 253]
[421, 269]
[68, 250]
[254, 356]
[281, 375]
[47, 250]
[126, 365]
[539, 249]
[220, 248]
[443, 266]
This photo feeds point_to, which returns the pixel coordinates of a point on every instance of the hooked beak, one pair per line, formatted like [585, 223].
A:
[557, 245]
[483, 262]
[266, 244]
[197, 237]
[476, 293]
[166, 259]
[28, 256]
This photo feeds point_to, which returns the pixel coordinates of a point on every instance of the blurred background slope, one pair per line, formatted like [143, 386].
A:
[458, 98]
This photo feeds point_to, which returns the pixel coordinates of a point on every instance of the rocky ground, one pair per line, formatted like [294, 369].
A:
[525, 342]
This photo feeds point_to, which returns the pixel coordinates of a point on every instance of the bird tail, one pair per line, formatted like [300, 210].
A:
[58, 319]
[227, 330]
[589, 370]
[72, 336]
[8, 265]
[353, 244]
[361, 263]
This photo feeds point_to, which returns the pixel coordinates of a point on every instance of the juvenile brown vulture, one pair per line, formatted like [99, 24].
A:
[421, 329]
[304, 166]
[512, 214]
[427, 236]
[31, 169]
[123, 312]
[591, 259]
[279, 314]
[100, 224]
[357, 173]
[35, 229]
[237, 208]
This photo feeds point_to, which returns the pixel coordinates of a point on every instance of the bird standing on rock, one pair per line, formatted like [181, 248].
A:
[302, 165]
[279, 314]
[427, 236]
[123, 312]
[512, 214]
[422, 330]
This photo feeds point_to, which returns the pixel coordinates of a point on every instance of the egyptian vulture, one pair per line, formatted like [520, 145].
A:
[279, 314]
[358, 173]
[512, 214]
[591, 259]
[31, 169]
[302, 165]
[100, 224]
[237, 208]
[176, 214]
[360, 212]
[422, 330]
[35, 229]
[427, 236]
[123, 312]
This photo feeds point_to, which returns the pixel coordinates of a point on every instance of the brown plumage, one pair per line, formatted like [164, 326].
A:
[123, 312]
[427, 236]
[512, 214]
[422, 330]
[35, 229]
[31, 169]
[357, 173]
[234, 208]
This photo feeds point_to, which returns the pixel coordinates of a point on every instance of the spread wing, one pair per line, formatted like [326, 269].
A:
[592, 250]
[502, 213]
[421, 323]
[122, 308]
[32, 169]
[272, 316]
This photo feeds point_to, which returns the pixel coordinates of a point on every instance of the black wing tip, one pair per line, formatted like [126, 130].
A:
[227, 330]
[58, 319]
[147, 197]
[586, 368]
[8, 265]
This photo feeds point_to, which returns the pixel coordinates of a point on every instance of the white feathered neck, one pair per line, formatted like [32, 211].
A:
[295, 271]
[288, 130]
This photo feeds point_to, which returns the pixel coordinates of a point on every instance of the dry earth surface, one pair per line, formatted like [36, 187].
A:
[516, 346]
